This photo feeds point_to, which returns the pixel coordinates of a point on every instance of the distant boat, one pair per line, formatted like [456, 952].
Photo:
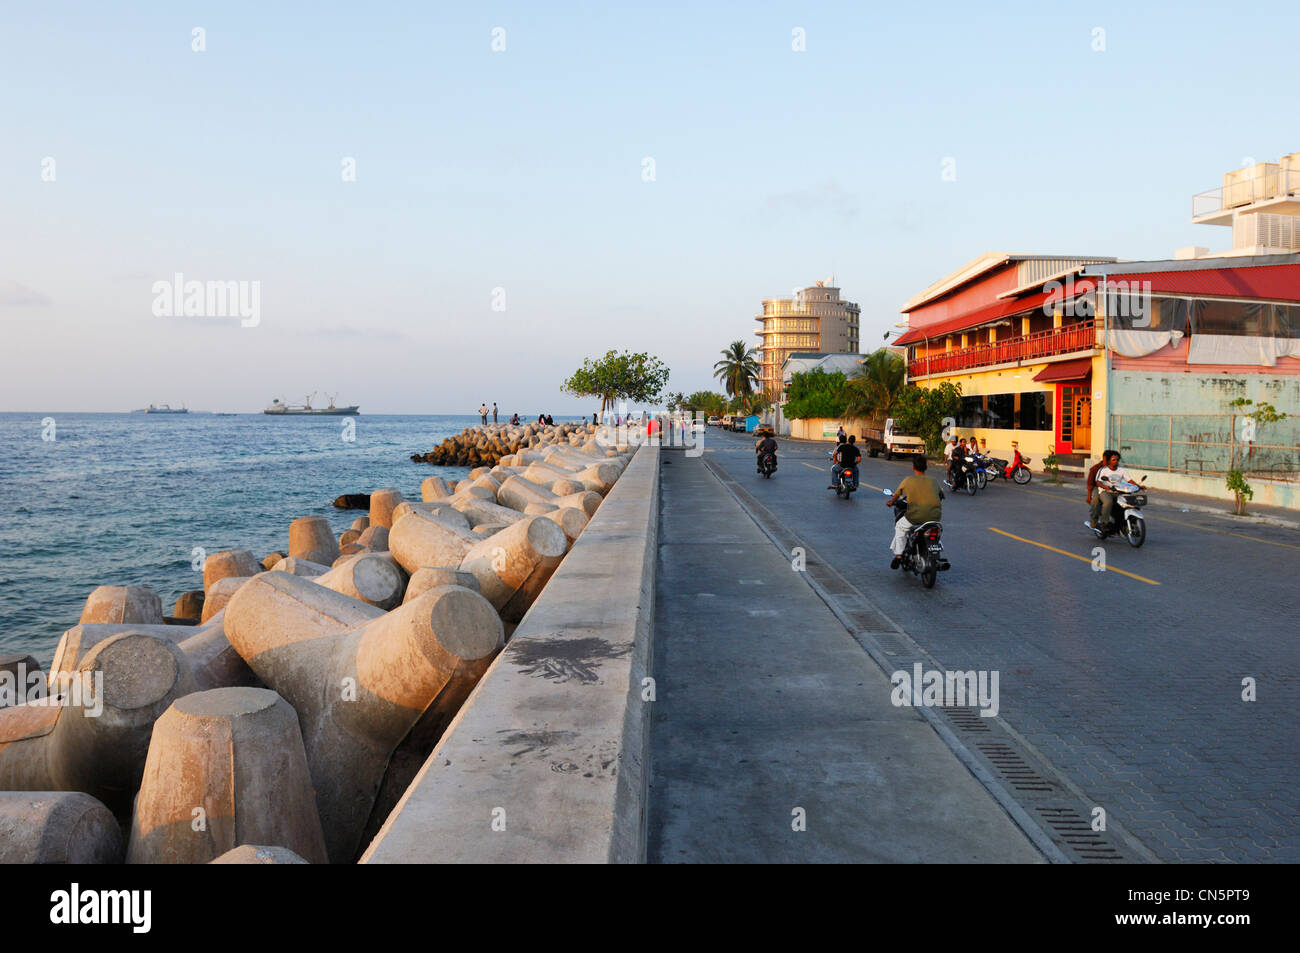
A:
[219, 414]
[279, 408]
[166, 409]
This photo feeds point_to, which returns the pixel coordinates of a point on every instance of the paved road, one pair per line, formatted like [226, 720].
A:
[769, 716]
[1131, 685]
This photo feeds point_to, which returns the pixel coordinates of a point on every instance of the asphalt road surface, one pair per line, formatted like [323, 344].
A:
[1130, 681]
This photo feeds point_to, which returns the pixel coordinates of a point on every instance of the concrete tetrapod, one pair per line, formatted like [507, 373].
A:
[96, 741]
[226, 767]
[21, 678]
[123, 604]
[421, 539]
[430, 577]
[382, 503]
[369, 577]
[311, 538]
[213, 662]
[57, 827]
[228, 562]
[357, 692]
[514, 559]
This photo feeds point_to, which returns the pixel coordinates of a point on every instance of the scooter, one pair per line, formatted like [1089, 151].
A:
[1126, 517]
[966, 479]
[1020, 475]
[982, 469]
[767, 464]
[922, 551]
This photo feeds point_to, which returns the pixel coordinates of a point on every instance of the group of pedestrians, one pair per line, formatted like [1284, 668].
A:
[514, 418]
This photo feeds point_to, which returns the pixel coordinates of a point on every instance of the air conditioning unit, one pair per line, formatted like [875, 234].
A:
[1254, 183]
[1269, 232]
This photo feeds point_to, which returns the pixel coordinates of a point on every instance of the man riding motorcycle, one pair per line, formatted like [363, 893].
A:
[923, 496]
[765, 446]
[1094, 495]
[1107, 479]
[847, 456]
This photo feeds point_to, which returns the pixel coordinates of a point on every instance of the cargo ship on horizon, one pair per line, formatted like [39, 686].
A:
[279, 408]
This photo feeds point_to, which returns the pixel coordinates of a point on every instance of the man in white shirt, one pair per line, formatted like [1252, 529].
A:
[1108, 477]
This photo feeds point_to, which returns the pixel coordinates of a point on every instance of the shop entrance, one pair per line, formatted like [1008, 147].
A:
[1076, 417]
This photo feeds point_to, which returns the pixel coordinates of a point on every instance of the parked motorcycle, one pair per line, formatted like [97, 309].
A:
[767, 464]
[922, 551]
[1126, 517]
[998, 468]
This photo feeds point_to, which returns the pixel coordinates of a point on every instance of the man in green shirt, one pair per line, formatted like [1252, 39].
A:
[923, 496]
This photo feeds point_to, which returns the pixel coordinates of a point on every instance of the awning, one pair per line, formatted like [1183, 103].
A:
[1065, 371]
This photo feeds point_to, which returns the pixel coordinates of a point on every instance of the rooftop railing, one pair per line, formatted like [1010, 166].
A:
[1274, 183]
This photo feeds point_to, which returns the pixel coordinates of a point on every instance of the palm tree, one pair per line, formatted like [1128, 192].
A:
[738, 370]
[875, 389]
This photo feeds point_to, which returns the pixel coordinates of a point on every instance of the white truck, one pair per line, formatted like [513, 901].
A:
[890, 441]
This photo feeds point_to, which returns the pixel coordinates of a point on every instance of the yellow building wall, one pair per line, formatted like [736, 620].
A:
[1020, 380]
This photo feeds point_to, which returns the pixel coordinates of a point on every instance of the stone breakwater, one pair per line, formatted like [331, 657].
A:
[485, 446]
[282, 711]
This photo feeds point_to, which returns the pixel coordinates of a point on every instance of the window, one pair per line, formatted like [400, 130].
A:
[1035, 410]
[1229, 317]
[1029, 411]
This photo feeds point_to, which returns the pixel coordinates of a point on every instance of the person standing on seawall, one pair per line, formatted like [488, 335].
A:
[482, 413]
[494, 411]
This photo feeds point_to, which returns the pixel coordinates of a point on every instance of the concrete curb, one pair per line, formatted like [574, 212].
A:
[546, 761]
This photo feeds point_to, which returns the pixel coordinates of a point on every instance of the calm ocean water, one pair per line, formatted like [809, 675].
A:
[123, 499]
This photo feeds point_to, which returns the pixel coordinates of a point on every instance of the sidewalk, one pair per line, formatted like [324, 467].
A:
[766, 707]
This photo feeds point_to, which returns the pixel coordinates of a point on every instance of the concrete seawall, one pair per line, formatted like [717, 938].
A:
[546, 761]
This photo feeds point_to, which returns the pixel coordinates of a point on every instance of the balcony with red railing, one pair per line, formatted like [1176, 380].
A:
[1081, 336]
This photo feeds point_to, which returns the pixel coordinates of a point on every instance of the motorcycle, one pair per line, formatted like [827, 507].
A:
[1126, 517]
[982, 469]
[848, 481]
[966, 479]
[767, 464]
[922, 551]
[1020, 476]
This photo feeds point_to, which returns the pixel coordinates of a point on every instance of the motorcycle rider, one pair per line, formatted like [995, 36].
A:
[1107, 477]
[923, 496]
[766, 445]
[847, 456]
[1094, 495]
[957, 463]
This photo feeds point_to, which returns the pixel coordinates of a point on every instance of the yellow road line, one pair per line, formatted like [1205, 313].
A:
[1165, 519]
[1131, 575]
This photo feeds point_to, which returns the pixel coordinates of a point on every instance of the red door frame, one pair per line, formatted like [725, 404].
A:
[1061, 445]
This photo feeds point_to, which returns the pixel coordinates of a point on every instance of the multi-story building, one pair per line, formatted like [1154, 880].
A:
[815, 319]
[1070, 355]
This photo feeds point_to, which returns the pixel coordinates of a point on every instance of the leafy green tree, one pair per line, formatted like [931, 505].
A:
[875, 389]
[639, 378]
[738, 370]
[816, 393]
[704, 402]
[925, 411]
[1251, 421]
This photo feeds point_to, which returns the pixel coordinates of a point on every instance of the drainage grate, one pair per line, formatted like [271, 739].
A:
[1013, 767]
[1073, 828]
[967, 719]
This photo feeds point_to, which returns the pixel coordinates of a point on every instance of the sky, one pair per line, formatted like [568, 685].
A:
[610, 176]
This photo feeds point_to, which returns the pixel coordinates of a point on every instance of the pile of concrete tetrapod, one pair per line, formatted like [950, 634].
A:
[485, 446]
[285, 715]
